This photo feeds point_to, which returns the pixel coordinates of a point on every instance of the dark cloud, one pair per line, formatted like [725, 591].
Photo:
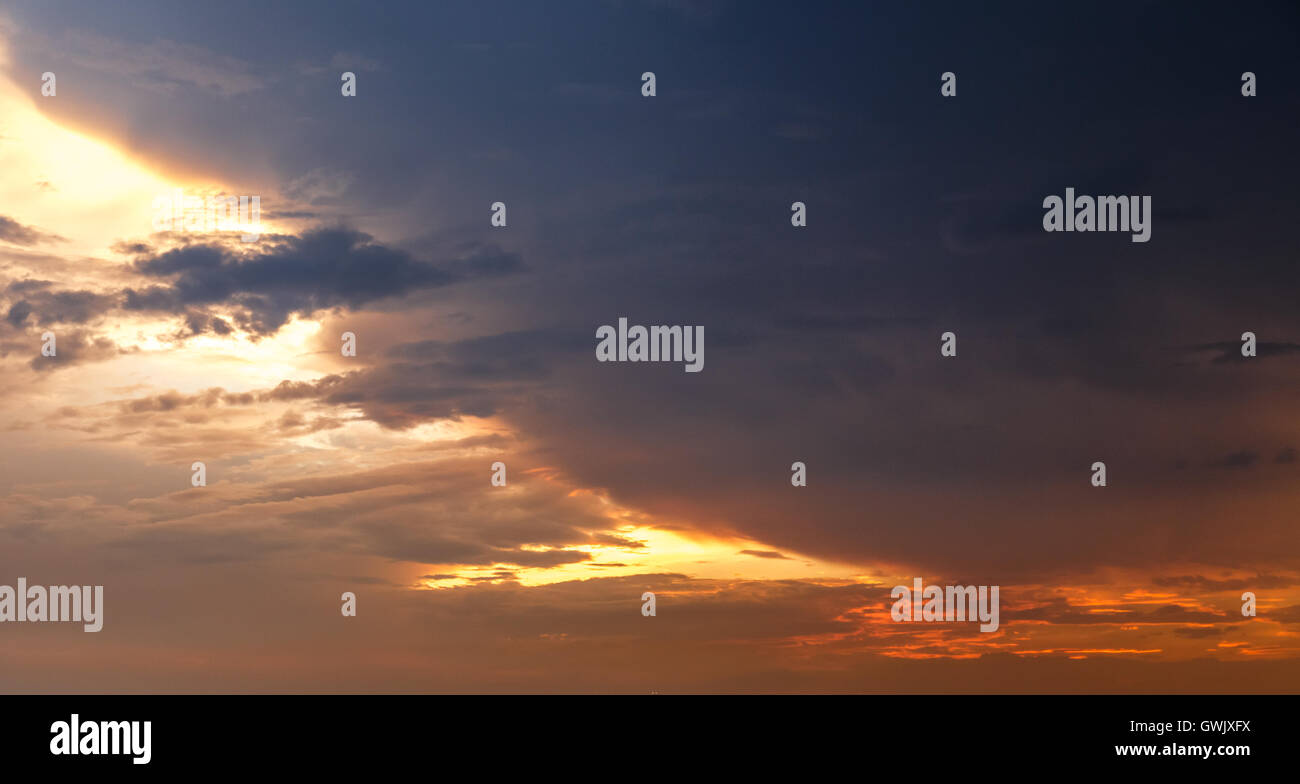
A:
[1201, 632]
[764, 554]
[285, 275]
[1060, 611]
[1243, 459]
[1201, 583]
[54, 307]
[435, 379]
[1231, 352]
[18, 234]
[72, 348]
[298, 275]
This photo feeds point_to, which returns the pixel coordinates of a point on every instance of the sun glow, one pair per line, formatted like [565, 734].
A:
[52, 176]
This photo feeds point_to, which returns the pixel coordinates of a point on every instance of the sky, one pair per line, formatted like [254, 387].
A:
[475, 344]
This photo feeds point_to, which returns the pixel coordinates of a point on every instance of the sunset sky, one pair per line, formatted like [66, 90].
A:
[475, 344]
